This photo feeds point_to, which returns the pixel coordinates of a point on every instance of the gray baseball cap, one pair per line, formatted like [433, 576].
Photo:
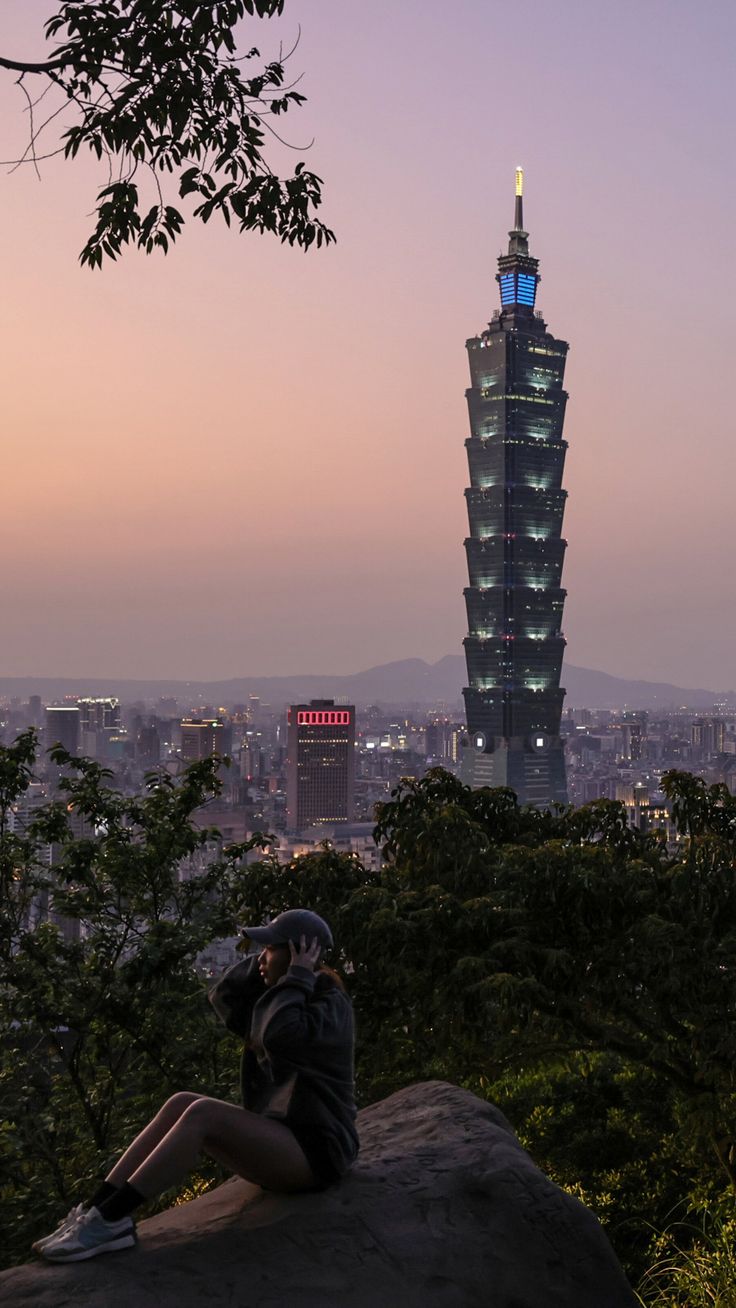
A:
[292, 925]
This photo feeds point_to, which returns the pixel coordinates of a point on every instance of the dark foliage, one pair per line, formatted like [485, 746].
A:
[579, 974]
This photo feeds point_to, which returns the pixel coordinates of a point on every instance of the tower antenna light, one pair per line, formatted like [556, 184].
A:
[519, 209]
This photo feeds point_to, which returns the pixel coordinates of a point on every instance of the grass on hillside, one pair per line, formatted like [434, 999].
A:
[694, 1267]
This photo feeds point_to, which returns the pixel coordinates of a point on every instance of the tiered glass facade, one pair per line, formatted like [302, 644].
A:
[515, 548]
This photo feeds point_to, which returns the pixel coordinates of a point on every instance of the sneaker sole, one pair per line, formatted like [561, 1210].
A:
[121, 1242]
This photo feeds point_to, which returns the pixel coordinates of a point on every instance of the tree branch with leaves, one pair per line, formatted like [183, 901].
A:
[157, 87]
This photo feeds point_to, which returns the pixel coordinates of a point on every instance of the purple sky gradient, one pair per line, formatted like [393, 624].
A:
[241, 459]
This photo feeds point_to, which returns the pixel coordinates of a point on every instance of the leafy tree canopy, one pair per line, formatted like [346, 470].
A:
[157, 88]
[578, 973]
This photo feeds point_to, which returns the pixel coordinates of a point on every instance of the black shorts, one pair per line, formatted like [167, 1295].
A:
[314, 1145]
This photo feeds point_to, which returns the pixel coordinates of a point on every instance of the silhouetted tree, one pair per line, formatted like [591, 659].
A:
[158, 86]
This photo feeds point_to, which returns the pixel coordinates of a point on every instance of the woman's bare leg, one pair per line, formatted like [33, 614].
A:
[150, 1137]
[256, 1148]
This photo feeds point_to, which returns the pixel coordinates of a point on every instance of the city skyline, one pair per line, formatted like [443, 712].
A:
[241, 459]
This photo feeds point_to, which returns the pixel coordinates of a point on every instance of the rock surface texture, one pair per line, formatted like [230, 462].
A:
[443, 1209]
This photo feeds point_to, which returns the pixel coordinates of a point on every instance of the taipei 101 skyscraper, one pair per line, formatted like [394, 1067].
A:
[515, 548]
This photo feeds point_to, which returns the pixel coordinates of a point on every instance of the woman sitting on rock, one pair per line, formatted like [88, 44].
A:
[296, 1129]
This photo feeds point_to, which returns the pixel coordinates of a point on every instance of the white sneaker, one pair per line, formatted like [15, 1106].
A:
[65, 1224]
[90, 1235]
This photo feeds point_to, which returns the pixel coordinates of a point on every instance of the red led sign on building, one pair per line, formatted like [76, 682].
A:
[322, 717]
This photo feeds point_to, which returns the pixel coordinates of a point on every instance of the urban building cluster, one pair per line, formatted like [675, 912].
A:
[314, 771]
[304, 772]
[621, 755]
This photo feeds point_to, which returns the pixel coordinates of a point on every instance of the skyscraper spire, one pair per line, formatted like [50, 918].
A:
[519, 209]
[518, 238]
[517, 271]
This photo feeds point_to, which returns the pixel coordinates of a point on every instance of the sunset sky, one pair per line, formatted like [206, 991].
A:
[241, 459]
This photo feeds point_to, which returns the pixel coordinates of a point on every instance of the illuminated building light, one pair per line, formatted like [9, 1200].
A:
[526, 289]
[314, 718]
[529, 399]
[518, 288]
[520, 181]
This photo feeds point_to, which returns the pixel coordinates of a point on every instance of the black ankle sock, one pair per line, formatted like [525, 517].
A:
[121, 1204]
[105, 1191]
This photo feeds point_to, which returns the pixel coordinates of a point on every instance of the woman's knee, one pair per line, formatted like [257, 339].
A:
[180, 1103]
[208, 1118]
[196, 1118]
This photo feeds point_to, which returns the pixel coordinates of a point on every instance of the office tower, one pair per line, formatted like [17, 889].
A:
[251, 757]
[101, 714]
[634, 735]
[320, 764]
[99, 722]
[148, 745]
[437, 740]
[201, 738]
[515, 549]
[707, 737]
[62, 726]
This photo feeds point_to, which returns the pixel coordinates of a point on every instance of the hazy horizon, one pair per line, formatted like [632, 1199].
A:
[244, 457]
[297, 674]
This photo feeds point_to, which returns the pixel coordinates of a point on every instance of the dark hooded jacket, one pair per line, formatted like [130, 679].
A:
[298, 1059]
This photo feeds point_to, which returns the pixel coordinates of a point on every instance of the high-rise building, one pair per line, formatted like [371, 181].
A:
[320, 764]
[99, 723]
[148, 745]
[62, 726]
[707, 736]
[100, 714]
[515, 548]
[202, 737]
[634, 733]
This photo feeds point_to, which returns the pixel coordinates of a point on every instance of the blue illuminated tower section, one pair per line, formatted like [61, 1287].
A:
[515, 549]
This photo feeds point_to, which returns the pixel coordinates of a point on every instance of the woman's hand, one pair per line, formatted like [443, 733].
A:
[306, 955]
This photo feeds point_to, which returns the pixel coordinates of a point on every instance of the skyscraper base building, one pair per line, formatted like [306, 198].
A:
[515, 549]
[537, 774]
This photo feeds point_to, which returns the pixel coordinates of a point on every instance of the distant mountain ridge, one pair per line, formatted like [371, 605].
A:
[404, 682]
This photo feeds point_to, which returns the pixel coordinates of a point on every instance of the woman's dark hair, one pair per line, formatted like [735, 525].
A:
[330, 971]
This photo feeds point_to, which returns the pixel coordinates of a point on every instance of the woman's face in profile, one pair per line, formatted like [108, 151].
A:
[273, 963]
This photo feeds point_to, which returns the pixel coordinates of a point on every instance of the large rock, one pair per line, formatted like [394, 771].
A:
[444, 1209]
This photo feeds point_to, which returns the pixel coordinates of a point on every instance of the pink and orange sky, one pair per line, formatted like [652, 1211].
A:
[240, 459]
